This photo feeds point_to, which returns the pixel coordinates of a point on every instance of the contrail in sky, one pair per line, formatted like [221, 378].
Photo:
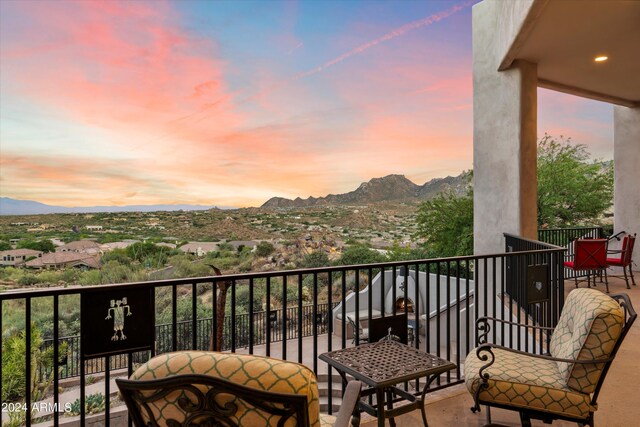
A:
[206, 111]
[389, 36]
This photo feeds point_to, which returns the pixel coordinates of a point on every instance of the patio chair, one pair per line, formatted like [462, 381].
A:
[362, 333]
[563, 384]
[624, 258]
[196, 388]
[590, 257]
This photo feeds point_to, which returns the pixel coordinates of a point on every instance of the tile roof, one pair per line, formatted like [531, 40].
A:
[20, 252]
[56, 259]
[80, 245]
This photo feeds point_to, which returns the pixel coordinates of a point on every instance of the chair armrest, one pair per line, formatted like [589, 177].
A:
[485, 318]
[490, 358]
[483, 327]
[349, 403]
[488, 347]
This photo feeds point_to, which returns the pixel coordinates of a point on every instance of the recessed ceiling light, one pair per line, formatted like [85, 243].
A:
[601, 58]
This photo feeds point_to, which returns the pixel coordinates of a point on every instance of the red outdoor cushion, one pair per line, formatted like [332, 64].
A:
[615, 261]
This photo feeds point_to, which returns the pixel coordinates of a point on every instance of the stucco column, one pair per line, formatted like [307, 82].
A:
[626, 157]
[504, 137]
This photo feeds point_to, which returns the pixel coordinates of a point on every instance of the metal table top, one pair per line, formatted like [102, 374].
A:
[386, 363]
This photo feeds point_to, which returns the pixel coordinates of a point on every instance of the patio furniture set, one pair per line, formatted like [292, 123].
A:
[196, 388]
[593, 257]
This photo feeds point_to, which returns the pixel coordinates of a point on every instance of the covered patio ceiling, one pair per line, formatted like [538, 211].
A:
[564, 37]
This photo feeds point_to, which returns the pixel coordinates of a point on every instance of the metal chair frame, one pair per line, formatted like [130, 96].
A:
[484, 352]
[625, 260]
[196, 396]
[358, 331]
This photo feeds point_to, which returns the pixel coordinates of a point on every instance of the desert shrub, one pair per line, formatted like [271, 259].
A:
[119, 255]
[114, 272]
[184, 312]
[264, 249]
[12, 274]
[315, 259]
[93, 404]
[355, 255]
[51, 277]
[28, 280]
[90, 277]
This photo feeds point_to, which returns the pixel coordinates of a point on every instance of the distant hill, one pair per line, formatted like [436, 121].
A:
[385, 189]
[9, 206]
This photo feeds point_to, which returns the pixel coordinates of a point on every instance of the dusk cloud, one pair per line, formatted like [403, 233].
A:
[231, 103]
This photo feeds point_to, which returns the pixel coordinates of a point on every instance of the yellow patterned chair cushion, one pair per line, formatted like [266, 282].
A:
[263, 373]
[525, 382]
[589, 326]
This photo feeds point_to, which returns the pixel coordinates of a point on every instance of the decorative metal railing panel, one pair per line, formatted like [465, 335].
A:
[542, 265]
[70, 365]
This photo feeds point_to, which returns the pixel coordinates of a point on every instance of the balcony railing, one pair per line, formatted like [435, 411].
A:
[564, 236]
[70, 365]
[549, 272]
[448, 296]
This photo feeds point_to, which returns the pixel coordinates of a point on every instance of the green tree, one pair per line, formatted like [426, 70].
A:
[4, 246]
[45, 245]
[446, 224]
[572, 189]
[405, 253]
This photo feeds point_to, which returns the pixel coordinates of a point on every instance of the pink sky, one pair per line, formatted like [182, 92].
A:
[231, 103]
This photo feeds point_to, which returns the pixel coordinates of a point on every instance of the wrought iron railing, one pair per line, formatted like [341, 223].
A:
[564, 236]
[447, 299]
[70, 364]
[543, 265]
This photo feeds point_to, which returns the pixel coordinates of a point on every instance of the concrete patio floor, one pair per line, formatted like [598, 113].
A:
[618, 404]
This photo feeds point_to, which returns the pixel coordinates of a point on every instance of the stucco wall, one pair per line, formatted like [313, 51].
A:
[626, 132]
[504, 130]
[510, 17]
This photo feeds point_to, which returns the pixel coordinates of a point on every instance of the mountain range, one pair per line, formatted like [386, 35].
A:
[9, 206]
[385, 189]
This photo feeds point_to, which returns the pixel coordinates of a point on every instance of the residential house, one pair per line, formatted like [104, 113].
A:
[117, 245]
[16, 257]
[57, 260]
[237, 244]
[199, 248]
[86, 246]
